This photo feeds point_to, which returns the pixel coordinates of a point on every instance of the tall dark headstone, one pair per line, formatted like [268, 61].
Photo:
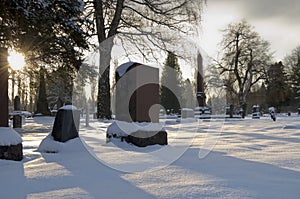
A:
[137, 91]
[200, 82]
[17, 103]
[3, 87]
[137, 100]
[17, 118]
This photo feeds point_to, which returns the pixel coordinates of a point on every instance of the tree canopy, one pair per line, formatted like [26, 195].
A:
[48, 32]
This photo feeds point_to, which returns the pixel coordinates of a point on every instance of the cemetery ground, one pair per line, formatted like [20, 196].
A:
[251, 158]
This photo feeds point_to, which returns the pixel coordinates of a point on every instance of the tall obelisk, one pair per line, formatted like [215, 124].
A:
[200, 82]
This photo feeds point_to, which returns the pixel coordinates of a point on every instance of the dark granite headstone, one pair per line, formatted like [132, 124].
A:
[146, 138]
[66, 125]
[17, 103]
[17, 118]
[137, 100]
[137, 90]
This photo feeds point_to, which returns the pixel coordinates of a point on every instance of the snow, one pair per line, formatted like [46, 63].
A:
[120, 128]
[243, 159]
[121, 70]
[8, 137]
[49, 145]
[68, 107]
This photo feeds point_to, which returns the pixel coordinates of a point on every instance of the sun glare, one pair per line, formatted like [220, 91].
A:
[16, 60]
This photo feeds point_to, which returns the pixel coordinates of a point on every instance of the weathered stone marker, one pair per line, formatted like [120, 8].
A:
[137, 100]
[66, 124]
[17, 117]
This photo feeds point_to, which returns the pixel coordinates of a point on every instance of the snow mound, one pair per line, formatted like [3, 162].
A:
[49, 145]
[68, 107]
[123, 129]
[291, 127]
[8, 137]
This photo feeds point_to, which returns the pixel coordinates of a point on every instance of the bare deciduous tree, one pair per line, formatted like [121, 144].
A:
[244, 60]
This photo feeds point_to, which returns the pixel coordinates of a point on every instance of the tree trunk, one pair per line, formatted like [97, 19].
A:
[3, 87]
[103, 102]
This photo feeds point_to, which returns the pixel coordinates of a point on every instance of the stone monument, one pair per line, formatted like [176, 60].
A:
[66, 123]
[137, 100]
[200, 82]
[137, 93]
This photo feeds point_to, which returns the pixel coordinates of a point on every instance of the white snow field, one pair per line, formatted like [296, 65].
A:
[206, 159]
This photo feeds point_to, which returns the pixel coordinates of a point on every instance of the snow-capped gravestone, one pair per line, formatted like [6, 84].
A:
[10, 144]
[137, 105]
[137, 93]
[66, 124]
[187, 113]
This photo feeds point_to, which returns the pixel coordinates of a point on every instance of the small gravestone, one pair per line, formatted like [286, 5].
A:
[17, 117]
[256, 112]
[137, 100]
[66, 124]
[230, 110]
[187, 113]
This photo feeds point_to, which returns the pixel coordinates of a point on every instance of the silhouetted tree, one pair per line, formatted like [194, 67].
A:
[292, 62]
[277, 87]
[244, 60]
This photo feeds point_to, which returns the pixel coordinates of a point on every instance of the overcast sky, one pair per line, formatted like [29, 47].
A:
[277, 21]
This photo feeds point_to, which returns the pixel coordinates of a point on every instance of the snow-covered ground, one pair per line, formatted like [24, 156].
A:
[205, 159]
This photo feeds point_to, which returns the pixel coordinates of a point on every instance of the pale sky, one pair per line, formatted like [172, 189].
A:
[277, 21]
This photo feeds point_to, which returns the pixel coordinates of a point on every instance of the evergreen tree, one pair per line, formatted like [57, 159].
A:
[277, 88]
[60, 87]
[292, 62]
[171, 85]
[51, 34]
